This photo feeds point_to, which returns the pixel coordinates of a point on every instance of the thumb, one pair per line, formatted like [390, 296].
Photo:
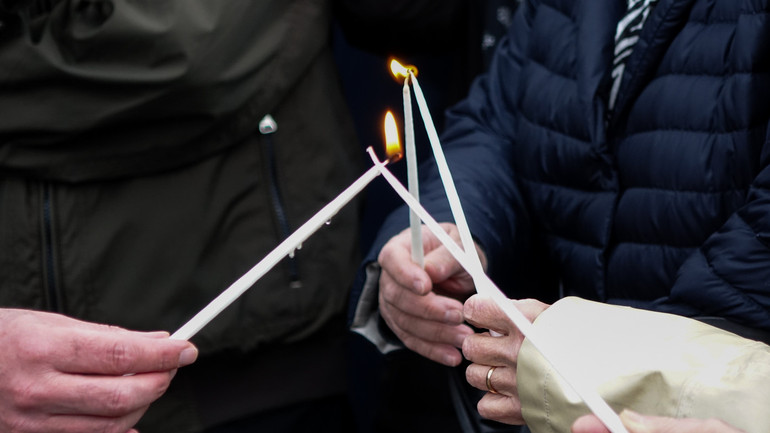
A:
[441, 265]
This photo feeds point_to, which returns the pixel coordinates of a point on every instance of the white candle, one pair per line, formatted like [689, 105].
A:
[487, 287]
[288, 246]
[446, 176]
[412, 178]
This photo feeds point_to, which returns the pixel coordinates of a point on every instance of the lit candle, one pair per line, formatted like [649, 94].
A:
[487, 287]
[411, 162]
[288, 246]
[443, 168]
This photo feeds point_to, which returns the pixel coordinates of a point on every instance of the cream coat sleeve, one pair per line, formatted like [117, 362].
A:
[653, 363]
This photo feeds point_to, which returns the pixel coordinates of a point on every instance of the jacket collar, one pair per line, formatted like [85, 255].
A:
[665, 22]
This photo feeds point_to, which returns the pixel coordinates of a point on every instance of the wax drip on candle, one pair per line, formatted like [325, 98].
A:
[288, 246]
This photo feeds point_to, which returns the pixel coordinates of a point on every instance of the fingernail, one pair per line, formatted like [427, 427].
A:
[453, 316]
[451, 361]
[188, 356]
[634, 421]
[418, 286]
[459, 340]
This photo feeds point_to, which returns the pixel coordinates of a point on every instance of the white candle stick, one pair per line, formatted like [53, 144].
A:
[446, 176]
[412, 178]
[485, 286]
[288, 246]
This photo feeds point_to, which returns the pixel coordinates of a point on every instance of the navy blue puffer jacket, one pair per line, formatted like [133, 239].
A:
[665, 204]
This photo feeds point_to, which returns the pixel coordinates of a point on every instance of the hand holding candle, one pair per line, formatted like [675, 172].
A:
[443, 167]
[487, 287]
[469, 260]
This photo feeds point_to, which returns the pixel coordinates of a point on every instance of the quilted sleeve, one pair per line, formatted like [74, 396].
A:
[729, 275]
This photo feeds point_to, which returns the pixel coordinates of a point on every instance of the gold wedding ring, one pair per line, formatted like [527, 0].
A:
[489, 381]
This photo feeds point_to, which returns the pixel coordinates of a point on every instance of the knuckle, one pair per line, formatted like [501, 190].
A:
[26, 396]
[120, 357]
[399, 319]
[438, 333]
[118, 401]
[33, 353]
[161, 386]
[18, 424]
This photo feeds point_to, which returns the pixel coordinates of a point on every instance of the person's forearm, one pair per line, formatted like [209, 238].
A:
[637, 359]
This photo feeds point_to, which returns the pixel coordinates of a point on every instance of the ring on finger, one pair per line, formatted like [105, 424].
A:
[490, 387]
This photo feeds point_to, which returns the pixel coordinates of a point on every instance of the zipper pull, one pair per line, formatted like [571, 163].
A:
[267, 125]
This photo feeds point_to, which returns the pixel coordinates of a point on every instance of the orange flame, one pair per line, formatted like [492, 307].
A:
[392, 143]
[400, 71]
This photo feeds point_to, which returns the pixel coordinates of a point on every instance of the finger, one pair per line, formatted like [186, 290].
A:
[424, 325]
[637, 423]
[435, 341]
[445, 354]
[500, 408]
[429, 306]
[430, 331]
[395, 259]
[98, 352]
[441, 265]
[488, 350]
[589, 424]
[502, 380]
[79, 423]
[103, 396]
[445, 270]
[483, 312]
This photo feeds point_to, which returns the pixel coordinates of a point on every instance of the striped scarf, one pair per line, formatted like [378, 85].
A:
[626, 36]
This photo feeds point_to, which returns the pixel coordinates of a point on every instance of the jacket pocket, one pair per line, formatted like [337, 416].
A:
[268, 127]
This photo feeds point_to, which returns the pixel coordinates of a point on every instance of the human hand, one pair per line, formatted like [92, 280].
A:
[636, 423]
[424, 307]
[61, 375]
[495, 357]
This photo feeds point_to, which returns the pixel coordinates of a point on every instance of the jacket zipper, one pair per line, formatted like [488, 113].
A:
[49, 256]
[268, 127]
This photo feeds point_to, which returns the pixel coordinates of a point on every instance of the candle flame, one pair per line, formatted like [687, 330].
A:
[392, 144]
[400, 71]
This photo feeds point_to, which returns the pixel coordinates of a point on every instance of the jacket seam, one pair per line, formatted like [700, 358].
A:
[709, 75]
[657, 244]
[563, 134]
[546, 68]
[729, 21]
[686, 191]
[556, 235]
[568, 188]
[701, 131]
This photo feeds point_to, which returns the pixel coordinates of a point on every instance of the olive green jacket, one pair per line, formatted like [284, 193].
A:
[136, 185]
